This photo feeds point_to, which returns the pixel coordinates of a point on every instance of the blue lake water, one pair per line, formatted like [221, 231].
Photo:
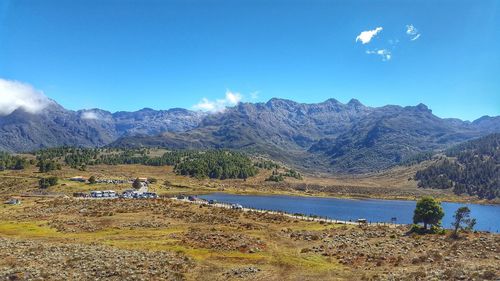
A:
[374, 210]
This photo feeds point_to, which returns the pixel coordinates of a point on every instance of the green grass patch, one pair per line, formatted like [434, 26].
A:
[26, 229]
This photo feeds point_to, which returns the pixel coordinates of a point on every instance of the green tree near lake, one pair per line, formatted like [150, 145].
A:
[137, 184]
[429, 212]
[462, 221]
[92, 180]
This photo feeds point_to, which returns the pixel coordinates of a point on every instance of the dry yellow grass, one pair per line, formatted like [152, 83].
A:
[395, 183]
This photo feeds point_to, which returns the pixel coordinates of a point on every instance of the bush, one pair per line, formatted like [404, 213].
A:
[275, 178]
[45, 166]
[415, 228]
[47, 182]
[137, 183]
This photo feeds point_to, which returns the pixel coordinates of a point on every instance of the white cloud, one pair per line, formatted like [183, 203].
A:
[393, 42]
[231, 99]
[15, 95]
[89, 115]
[415, 38]
[384, 53]
[412, 32]
[366, 36]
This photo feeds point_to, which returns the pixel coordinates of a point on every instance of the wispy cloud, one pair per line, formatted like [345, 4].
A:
[366, 36]
[15, 95]
[213, 106]
[89, 115]
[412, 31]
[384, 53]
[393, 42]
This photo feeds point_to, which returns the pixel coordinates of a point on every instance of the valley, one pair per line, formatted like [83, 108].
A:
[60, 237]
[165, 239]
[249, 140]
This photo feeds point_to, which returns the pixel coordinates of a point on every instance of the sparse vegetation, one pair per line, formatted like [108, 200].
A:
[45, 165]
[114, 237]
[268, 165]
[277, 176]
[12, 162]
[45, 183]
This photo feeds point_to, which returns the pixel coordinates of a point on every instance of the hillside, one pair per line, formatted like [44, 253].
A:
[329, 137]
[471, 168]
[55, 126]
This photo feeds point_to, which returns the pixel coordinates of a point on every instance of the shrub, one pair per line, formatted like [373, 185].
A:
[47, 182]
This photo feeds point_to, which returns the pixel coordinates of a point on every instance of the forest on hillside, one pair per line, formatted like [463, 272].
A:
[13, 162]
[471, 168]
[219, 164]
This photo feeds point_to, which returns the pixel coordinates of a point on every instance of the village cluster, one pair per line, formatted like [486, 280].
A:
[140, 193]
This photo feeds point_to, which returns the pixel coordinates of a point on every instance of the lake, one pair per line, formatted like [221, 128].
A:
[374, 210]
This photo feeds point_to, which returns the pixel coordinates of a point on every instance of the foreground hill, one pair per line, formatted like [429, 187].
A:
[163, 239]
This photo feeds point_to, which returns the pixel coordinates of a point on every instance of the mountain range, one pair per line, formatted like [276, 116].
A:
[329, 136]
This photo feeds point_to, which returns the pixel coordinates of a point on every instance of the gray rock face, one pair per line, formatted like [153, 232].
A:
[56, 126]
[327, 136]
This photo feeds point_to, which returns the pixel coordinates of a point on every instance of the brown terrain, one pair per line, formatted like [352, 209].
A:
[53, 236]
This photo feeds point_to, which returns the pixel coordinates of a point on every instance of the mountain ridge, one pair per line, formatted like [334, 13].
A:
[328, 136]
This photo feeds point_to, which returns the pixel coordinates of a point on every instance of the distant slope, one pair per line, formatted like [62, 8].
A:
[473, 168]
[390, 135]
[56, 126]
[328, 136]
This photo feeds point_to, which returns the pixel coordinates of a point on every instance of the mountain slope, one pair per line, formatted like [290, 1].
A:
[473, 168]
[56, 126]
[391, 134]
[328, 136]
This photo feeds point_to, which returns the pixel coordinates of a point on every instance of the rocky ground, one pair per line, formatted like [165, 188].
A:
[404, 256]
[220, 240]
[41, 260]
[80, 239]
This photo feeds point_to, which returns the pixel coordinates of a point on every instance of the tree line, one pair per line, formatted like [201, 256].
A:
[216, 164]
[13, 162]
[219, 164]
[472, 168]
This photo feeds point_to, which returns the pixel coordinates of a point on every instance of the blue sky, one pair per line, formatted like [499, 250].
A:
[126, 55]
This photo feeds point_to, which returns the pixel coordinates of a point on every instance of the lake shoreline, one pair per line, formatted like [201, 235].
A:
[234, 191]
[351, 209]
